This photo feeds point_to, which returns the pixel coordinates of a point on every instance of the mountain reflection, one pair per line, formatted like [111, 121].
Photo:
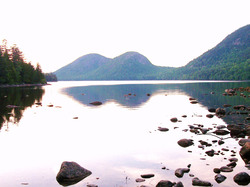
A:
[208, 94]
[13, 102]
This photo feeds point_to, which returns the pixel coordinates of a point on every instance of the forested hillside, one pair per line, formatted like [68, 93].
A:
[14, 69]
[229, 60]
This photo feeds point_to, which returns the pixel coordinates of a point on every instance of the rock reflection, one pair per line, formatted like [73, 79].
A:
[13, 102]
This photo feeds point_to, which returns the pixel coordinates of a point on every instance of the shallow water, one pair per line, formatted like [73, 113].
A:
[118, 140]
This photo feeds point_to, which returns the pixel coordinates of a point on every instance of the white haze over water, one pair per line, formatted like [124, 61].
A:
[168, 32]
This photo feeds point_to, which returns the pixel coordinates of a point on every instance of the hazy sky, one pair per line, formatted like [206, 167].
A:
[168, 32]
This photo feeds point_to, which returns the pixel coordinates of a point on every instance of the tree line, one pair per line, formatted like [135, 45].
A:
[15, 70]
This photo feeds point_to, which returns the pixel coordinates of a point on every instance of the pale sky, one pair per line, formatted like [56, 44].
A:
[54, 33]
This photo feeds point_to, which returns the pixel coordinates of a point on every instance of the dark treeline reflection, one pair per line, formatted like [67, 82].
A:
[13, 102]
[209, 94]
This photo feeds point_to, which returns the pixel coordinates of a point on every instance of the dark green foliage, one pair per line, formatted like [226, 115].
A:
[229, 60]
[14, 69]
[50, 77]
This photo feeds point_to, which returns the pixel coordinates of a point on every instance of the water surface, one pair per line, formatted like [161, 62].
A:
[118, 141]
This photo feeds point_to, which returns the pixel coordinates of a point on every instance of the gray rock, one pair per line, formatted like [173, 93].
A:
[219, 178]
[71, 173]
[185, 142]
[198, 182]
[180, 172]
[242, 178]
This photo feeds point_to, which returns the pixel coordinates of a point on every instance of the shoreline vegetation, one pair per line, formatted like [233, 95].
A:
[22, 85]
[14, 70]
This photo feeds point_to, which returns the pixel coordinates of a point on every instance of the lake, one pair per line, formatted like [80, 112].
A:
[119, 140]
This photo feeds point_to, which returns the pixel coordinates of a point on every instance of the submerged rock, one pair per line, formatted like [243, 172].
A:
[96, 103]
[198, 182]
[242, 178]
[71, 173]
[185, 142]
[220, 112]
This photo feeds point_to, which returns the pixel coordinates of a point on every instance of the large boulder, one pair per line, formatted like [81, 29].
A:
[242, 178]
[71, 173]
[245, 152]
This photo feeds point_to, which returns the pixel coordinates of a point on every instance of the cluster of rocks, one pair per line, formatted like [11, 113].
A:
[71, 173]
[234, 130]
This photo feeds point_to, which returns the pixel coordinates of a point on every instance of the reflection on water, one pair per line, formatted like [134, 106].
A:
[13, 102]
[115, 143]
[134, 96]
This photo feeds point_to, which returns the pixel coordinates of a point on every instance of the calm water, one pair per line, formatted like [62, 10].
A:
[118, 141]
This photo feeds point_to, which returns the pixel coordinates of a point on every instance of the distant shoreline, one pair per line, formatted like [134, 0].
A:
[21, 85]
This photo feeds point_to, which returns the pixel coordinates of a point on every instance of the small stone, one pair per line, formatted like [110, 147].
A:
[220, 142]
[219, 178]
[209, 115]
[198, 182]
[174, 120]
[212, 110]
[221, 132]
[232, 164]
[226, 169]
[179, 184]
[96, 103]
[185, 142]
[146, 176]
[139, 180]
[180, 172]
[165, 183]
[233, 159]
[216, 170]
[163, 129]
[210, 153]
